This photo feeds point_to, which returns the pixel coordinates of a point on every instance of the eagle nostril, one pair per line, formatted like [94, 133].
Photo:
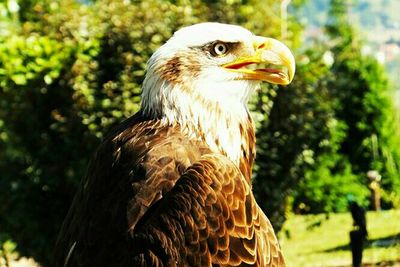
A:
[261, 46]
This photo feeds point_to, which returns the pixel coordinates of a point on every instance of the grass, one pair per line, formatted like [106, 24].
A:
[323, 240]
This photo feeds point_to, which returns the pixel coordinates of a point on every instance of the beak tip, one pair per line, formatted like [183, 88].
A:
[274, 51]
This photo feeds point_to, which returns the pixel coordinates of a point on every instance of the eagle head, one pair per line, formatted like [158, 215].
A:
[203, 76]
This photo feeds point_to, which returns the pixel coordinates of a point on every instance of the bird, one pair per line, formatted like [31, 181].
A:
[171, 185]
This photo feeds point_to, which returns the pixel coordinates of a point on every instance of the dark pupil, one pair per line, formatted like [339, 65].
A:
[220, 48]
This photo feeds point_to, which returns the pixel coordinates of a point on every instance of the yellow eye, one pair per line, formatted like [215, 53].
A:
[220, 49]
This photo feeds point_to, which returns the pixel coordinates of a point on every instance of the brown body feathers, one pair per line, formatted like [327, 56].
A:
[154, 197]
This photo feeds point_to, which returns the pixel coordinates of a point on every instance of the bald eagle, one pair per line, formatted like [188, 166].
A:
[171, 186]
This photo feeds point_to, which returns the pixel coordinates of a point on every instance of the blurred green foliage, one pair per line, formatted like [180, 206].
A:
[71, 71]
[363, 105]
[363, 131]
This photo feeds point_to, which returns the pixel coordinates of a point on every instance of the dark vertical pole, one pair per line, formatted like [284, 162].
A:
[358, 234]
[356, 244]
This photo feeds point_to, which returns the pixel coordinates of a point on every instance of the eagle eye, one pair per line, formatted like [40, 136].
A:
[219, 49]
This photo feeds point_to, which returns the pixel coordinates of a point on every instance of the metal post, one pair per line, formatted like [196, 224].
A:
[284, 6]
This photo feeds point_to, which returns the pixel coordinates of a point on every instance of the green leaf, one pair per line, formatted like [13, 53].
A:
[48, 79]
[19, 79]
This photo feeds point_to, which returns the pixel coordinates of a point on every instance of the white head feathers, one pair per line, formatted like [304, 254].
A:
[186, 84]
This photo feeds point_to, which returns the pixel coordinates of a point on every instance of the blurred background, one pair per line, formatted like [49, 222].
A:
[71, 70]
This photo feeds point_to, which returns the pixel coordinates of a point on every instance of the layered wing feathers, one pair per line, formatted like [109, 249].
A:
[210, 217]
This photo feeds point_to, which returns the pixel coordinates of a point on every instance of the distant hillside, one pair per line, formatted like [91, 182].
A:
[371, 14]
[377, 20]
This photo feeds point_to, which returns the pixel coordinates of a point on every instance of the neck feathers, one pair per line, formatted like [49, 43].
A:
[226, 126]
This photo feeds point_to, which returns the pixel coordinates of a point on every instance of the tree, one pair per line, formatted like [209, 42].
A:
[362, 130]
[363, 103]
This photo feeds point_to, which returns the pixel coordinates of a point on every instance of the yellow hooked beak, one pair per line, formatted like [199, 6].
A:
[274, 62]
